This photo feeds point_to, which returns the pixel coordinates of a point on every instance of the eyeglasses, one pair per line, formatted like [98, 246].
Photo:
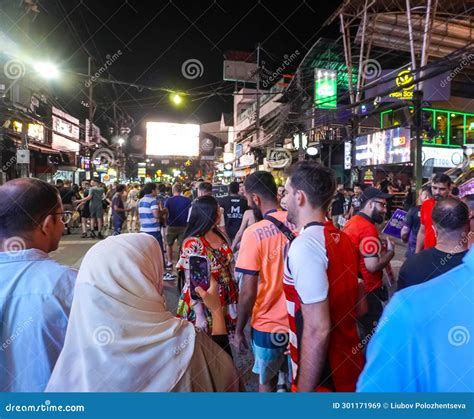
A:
[66, 216]
[384, 204]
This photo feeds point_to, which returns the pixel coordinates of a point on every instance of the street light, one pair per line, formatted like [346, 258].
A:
[46, 70]
[121, 141]
[177, 99]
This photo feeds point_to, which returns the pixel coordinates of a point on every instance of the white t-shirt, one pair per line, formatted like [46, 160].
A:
[306, 265]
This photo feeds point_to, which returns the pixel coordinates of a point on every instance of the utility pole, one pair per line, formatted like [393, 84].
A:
[417, 146]
[257, 111]
[91, 90]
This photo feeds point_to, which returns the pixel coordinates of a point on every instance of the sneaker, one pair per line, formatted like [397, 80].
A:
[84, 235]
[169, 276]
[169, 266]
[100, 236]
[93, 236]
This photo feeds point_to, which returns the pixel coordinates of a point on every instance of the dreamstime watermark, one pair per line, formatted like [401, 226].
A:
[270, 77]
[363, 343]
[110, 59]
[370, 246]
[14, 69]
[371, 69]
[466, 61]
[459, 336]
[18, 331]
[457, 249]
[280, 337]
[9, 164]
[47, 406]
[190, 339]
[13, 245]
[192, 69]
[105, 155]
[103, 336]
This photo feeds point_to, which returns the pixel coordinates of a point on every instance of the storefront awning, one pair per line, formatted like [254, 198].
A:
[41, 149]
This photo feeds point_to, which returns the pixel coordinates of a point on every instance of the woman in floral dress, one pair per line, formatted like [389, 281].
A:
[203, 238]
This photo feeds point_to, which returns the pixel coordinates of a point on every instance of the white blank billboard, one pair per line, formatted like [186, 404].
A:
[167, 139]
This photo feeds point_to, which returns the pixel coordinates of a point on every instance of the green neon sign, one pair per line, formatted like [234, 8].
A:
[325, 89]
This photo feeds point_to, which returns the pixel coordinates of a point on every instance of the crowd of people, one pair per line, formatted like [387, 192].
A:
[301, 267]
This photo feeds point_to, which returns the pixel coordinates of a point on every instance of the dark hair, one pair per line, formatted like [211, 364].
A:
[203, 217]
[178, 188]
[455, 191]
[24, 204]
[59, 182]
[149, 188]
[120, 188]
[263, 184]
[161, 188]
[316, 181]
[450, 214]
[359, 185]
[205, 187]
[234, 188]
[441, 178]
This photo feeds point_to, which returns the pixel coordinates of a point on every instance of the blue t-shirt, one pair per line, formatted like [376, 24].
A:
[178, 208]
[425, 339]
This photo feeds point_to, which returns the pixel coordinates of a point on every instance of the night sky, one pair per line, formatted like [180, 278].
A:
[153, 39]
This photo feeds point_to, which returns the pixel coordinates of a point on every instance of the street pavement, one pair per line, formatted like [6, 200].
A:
[72, 249]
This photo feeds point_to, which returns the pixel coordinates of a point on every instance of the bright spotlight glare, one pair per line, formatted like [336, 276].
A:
[47, 70]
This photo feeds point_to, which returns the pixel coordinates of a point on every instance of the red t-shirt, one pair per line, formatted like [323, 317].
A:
[365, 238]
[322, 264]
[426, 219]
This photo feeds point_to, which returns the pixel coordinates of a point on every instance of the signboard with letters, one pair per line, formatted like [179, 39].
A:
[442, 156]
[325, 88]
[396, 223]
[436, 88]
[65, 124]
[390, 146]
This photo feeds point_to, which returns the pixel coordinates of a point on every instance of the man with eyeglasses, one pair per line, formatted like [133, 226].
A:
[374, 255]
[35, 291]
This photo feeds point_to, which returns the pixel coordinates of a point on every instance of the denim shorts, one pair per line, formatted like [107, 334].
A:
[269, 353]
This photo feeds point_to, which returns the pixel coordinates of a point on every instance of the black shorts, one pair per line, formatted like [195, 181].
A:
[85, 213]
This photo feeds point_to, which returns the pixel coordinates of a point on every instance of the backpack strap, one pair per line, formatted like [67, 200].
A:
[282, 227]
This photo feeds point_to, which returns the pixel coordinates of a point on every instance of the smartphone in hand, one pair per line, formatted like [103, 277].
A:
[199, 274]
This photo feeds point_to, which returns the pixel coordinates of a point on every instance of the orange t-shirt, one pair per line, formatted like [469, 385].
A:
[262, 252]
[427, 220]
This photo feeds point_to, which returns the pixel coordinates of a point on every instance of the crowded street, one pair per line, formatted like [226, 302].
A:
[206, 204]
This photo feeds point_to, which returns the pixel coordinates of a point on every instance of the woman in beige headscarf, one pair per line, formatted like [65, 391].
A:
[120, 337]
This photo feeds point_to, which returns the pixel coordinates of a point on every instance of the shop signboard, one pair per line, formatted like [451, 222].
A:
[278, 158]
[325, 88]
[402, 83]
[220, 191]
[65, 124]
[442, 156]
[36, 132]
[396, 223]
[347, 155]
[391, 146]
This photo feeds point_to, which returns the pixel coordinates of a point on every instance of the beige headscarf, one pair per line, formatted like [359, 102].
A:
[120, 336]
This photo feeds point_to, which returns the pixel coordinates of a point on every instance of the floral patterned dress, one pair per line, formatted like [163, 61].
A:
[221, 270]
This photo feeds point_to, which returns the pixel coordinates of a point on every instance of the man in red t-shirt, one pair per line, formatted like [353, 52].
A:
[372, 259]
[321, 288]
[440, 188]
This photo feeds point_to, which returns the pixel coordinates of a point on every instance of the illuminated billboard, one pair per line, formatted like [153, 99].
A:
[325, 88]
[167, 139]
[390, 146]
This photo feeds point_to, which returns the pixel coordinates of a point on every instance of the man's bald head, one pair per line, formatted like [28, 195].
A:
[24, 203]
[450, 214]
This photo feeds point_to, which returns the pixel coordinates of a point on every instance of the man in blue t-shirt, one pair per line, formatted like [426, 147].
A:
[119, 213]
[178, 208]
[423, 342]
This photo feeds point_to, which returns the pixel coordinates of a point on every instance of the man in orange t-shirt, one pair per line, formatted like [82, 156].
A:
[261, 260]
[440, 188]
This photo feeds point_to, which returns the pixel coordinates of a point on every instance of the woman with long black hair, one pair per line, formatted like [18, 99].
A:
[203, 238]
